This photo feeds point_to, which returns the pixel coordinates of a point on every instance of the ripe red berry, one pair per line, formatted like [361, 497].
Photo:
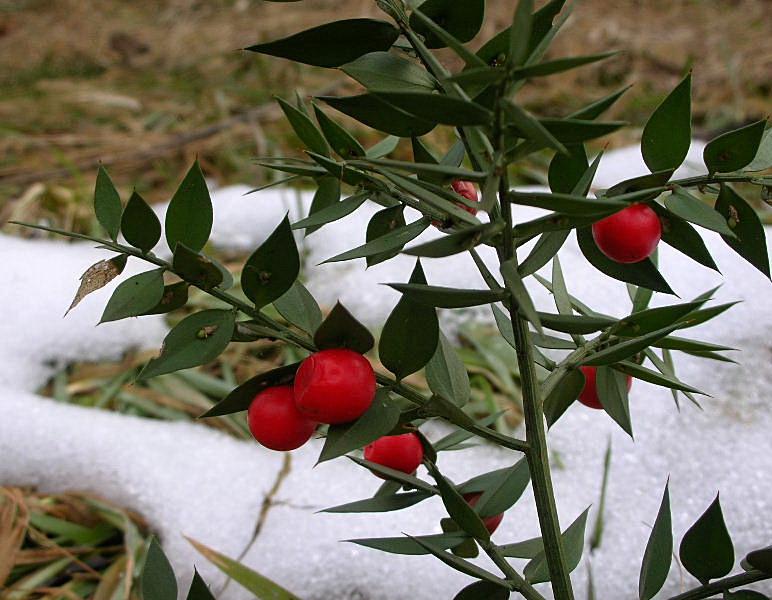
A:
[629, 236]
[275, 421]
[589, 393]
[468, 191]
[334, 386]
[491, 523]
[399, 452]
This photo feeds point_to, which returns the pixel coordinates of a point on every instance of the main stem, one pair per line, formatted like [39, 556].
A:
[536, 435]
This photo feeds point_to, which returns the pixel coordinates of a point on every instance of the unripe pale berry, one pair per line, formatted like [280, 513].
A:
[491, 523]
[275, 421]
[399, 452]
[334, 386]
[629, 236]
[589, 393]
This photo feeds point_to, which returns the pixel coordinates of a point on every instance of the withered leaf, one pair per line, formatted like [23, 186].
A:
[98, 276]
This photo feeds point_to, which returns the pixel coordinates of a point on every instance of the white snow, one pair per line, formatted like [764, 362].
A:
[190, 480]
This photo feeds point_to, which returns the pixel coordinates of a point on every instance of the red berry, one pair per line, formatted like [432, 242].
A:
[275, 421]
[334, 386]
[589, 393]
[468, 191]
[629, 236]
[491, 523]
[399, 452]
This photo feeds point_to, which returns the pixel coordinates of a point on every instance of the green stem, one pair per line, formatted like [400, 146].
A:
[716, 178]
[520, 584]
[722, 585]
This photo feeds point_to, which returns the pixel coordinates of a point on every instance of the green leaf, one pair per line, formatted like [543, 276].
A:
[341, 330]
[379, 420]
[333, 212]
[659, 552]
[483, 590]
[548, 245]
[683, 237]
[305, 129]
[272, 269]
[751, 241]
[195, 268]
[575, 131]
[734, 150]
[597, 108]
[196, 340]
[520, 33]
[706, 549]
[107, 204]
[763, 160]
[438, 108]
[668, 133]
[559, 65]
[537, 571]
[694, 210]
[135, 296]
[652, 319]
[157, 580]
[567, 203]
[627, 348]
[381, 503]
[566, 170]
[526, 549]
[519, 292]
[341, 141]
[436, 173]
[575, 323]
[501, 496]
[298, 306]
[639, 372]
[446, 374]
[139, 224]
[408, 546]
[460, 564]
[455, 242]
[761, 559]
[198, 589]
[241, 397]
[653, 181]
[563, 395]
[530, 128]
[327, 194]
[410, 335]
[189, 216]
[407, 481]
[333, 44]
[175, 296]
[261, 587]
[458, 508]
[387, 222]
[612, 393]
[461, 19]
[375, 112]
[643, 273]
[383, 148]
[382, 71]
[445, 297]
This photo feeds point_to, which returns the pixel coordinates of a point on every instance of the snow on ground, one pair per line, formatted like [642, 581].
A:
[188, 480]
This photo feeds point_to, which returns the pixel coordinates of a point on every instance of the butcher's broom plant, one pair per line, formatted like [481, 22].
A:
[572, 352]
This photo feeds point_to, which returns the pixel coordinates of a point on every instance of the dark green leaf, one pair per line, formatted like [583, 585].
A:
[339, 170]
[652, 319]
[549, 245]
[333, 212]
[445, 297]
[139, 224]
[751, 241]
[734, 150]
[461, 19]
[408, 546]
[453, 440]
[383, 71]
[189, 216]
[706, 549]
[761, 559]
[375, 112]
[304, 127]
[460, 564]
[575, 131]
[763, 158]
[438, 108]
[612, 393]
[526, 549]
[506, 491]
[407, 481]
[379, 420]
[327, 194]
[455, 242]
[566, 170]
[659, 552]
[520, 33]
[198, 589]
[537, 570]
[241, 397]
[387, 222]
[694, 210]
[298, 306]
[627, 348]
[597, 108]
[458, 508]
[107, 204]
[644, 374]
[483, 590]
[135, 296]
[519, 292]
[195, 268]
[333, 44]
[567, 203]
[563, 395]
[446, 373]
[196, 340]
[652, 181]
[428, 171]
[271, 269]
[341, 330]
[575, 323]
[341, 141]
[175, 296]
[642, 273]
[381, 503]
[686, 345]
[683, 237]
[383, 148]
[668, 133]
[157, 580]
[558, 65]
[410, 335]
[530, 128]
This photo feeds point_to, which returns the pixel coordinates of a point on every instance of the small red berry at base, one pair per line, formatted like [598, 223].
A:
[589, 393]
[467, 190]
[399, 452]
[275, 421]
[334, 386]
[629, 236]
[491, 523]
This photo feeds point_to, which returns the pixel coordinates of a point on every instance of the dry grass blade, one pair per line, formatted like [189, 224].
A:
[14, 518]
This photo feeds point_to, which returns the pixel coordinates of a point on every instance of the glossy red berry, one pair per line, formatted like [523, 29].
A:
[491, 523]
[589, 393]
[275, 421]
[466, 189]
[334, 386]
[629, 236]
[399, 452]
